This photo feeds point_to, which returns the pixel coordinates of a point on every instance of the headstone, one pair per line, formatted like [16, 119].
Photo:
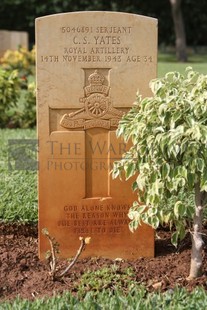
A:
[11, 40]
[89, 68]
[18, 38]
[4, 41]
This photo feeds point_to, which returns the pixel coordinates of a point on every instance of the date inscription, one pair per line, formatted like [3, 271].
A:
[101, 44]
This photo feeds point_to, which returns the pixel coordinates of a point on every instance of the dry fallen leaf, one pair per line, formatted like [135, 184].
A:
[157, 285]
[87, 240]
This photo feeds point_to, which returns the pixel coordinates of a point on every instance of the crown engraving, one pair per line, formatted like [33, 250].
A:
[96, 78]
[96, 84]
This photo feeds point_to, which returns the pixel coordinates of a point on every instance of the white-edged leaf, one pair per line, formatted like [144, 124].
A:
[179, 209]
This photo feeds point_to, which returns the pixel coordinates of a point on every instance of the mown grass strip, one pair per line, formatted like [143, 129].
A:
[138, 298]
[167, 62]
[18, 188]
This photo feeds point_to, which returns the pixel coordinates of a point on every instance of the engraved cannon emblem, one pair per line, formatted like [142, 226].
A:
[97, 107]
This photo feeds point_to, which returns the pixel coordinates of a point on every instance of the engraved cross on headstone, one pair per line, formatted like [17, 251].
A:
[97, 118]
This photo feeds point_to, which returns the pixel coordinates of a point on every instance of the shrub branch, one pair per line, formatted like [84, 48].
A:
[52, 255]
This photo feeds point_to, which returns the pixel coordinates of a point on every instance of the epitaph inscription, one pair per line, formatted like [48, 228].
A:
[89, 68]
[95, 219]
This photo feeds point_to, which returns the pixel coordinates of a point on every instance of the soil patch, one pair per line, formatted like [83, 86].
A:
[23, 274]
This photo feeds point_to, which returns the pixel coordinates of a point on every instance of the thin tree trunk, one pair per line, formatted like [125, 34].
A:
[180, 42]
[197, 241]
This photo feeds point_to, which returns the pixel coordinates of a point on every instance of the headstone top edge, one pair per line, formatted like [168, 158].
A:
[18, 31]
[97, 13]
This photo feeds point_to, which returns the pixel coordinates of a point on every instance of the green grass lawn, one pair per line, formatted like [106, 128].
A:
[167, 62]
[137, 299]
[18, 188]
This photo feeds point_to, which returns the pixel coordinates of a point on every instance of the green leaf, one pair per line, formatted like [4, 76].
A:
[179, 209]
[167, 217]
[141, 209]
[191, 179]
[141, 182]
[133, 225]
[165, 170]
[174, 239]
[204, 180]
[135, 186]
[200, 164]
[182, 171]
[155, 222]
[181, 230]
[130, 170]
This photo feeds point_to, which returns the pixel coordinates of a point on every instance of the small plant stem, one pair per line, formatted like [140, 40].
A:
[55, 249]
[80, 250]
[54, 260]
